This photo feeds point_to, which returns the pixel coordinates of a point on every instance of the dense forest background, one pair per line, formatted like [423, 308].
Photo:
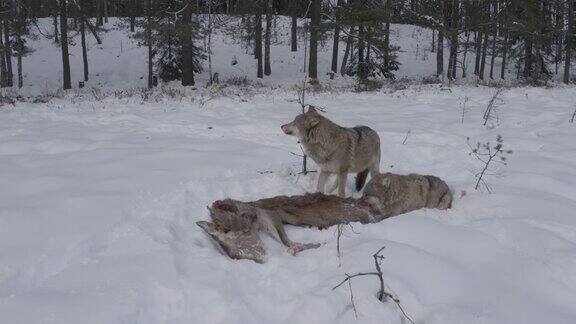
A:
[532, 38]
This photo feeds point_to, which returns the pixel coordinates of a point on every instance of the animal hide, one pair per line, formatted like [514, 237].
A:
[236, 225]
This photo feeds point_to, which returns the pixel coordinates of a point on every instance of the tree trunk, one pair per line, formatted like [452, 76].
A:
[20, 74]
[336, 43]
[210, 73]
[478, 50]
[440, 54]
[349, 41]
[528, 56]
[55, 23]
[293, 33]
[8, 53]
[494, 39]
[149, 41]
[258, 52]
[267, 68]
[387, 34]
[464, 58]
[2, 60]
[558, 22]
[486, 19]
[18, 14]
[132, 15]
[504, 55]
[84, 50]
[362, 74]
[67, 83]
[483, 58]
[99, 12]
[493, 57]
[315, 9]
[105, 9]
[452, 60]
[187, 58]
[568, 42]
[335, 49]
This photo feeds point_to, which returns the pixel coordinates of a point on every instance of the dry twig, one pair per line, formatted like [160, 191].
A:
[382, 294]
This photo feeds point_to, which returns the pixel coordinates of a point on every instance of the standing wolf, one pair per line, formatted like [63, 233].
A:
[337, 150]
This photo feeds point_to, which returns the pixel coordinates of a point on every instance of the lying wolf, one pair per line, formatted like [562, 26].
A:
[235, 225]
[337, 150]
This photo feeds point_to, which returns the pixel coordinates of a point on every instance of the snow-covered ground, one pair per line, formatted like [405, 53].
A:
[100, 192]
[98, 200]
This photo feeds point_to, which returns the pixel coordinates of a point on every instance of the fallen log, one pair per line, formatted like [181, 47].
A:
[236, 225]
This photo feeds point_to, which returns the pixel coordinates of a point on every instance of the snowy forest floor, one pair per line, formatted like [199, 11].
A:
[98, 200]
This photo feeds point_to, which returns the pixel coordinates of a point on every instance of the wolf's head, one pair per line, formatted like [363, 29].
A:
[302, 123]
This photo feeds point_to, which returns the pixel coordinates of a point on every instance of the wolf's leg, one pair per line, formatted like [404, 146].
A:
[322, 177]
[333, 187]
[375, 168]
[342, 178]
[361, 179]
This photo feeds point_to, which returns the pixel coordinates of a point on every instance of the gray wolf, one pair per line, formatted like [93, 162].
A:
[337, 150]
[236, 225]
[391, 194]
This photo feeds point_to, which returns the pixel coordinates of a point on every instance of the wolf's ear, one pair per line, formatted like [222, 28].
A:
[313, 120]
[312, 110]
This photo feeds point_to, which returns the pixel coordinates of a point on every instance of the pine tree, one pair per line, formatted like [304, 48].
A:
[373, 56]
[170, 38]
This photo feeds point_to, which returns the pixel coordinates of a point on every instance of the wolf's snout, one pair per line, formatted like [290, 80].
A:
[286, 129]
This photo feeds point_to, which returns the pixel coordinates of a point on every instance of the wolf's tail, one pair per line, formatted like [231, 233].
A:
[361, 179]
